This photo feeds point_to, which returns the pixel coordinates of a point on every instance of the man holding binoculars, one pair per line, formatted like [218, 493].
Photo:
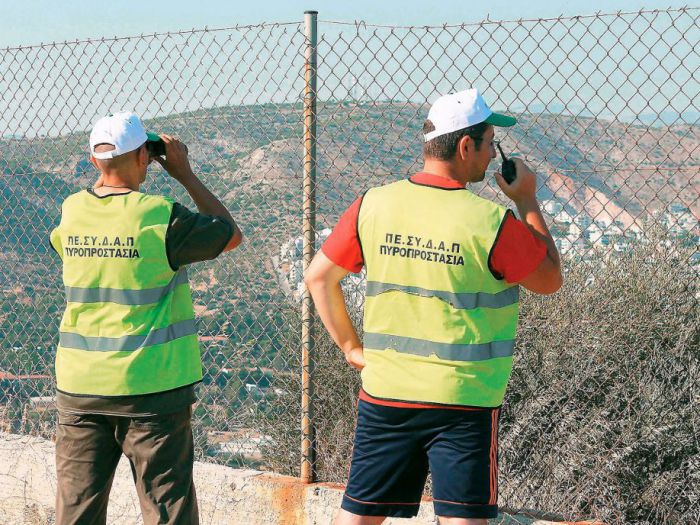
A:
[128, 353]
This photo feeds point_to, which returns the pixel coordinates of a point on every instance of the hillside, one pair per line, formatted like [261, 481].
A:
[251, 156]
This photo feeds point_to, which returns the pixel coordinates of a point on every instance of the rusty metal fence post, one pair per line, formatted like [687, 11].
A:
[309, 229]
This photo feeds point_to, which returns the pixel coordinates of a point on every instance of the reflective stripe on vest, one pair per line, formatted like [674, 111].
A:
[438, 326]
[448, 351]
[128, 327]
[467, 301]
[128, 297]
[128, 343]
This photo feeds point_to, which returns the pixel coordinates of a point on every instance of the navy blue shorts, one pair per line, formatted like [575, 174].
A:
[395, 447]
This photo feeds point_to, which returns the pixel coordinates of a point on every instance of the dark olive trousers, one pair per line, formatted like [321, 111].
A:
[161, 453]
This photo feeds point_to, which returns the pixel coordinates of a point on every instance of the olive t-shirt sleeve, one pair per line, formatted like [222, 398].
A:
[193, 237]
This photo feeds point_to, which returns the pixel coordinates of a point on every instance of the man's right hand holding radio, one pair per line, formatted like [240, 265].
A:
[523, 188]
[523, 192]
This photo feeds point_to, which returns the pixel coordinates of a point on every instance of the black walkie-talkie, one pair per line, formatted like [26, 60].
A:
[507, 167]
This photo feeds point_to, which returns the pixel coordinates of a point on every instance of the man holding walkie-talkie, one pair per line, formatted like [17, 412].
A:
[128, 355]
[441, 310]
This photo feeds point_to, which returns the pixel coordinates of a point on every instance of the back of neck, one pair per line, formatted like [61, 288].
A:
[443, 169]
[110, 184]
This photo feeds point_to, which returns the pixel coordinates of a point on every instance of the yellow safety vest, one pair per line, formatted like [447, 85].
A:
[128, 327]
[438, 326]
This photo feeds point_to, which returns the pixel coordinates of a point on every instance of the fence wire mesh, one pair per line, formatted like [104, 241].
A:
[597, 422]
[601, 416]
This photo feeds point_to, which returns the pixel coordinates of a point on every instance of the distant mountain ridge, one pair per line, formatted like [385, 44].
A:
[596, 178]
[256, 151]
[657, 119]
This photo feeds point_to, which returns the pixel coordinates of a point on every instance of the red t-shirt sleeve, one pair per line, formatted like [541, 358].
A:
[343, 244]
[516, 252]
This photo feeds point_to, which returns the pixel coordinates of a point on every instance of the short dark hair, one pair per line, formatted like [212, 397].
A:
[444, 147]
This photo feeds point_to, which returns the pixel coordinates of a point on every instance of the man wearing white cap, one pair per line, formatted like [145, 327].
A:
[128, 355]
[441, 309]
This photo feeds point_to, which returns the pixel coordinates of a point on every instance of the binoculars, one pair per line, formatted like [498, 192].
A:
[156, 148]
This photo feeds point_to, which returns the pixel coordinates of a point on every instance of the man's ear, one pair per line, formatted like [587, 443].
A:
[463, 146]
[94, 162]
[143, 156]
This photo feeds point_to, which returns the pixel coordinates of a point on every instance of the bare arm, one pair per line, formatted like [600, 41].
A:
[178, 166]
[323, 281]
[547, 278]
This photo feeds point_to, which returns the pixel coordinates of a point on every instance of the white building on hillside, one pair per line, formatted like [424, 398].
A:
[583, 220]
[564, 217]
[593, 233]
[552, 206]
[575, 231]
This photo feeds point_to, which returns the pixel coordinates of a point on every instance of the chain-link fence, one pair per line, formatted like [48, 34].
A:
[600, 419]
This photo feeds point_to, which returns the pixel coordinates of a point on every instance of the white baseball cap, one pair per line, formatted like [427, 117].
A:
[460, 110]
[122, 130]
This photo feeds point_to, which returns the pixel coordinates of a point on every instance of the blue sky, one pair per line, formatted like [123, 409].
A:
[612, 67]
[35, 21]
